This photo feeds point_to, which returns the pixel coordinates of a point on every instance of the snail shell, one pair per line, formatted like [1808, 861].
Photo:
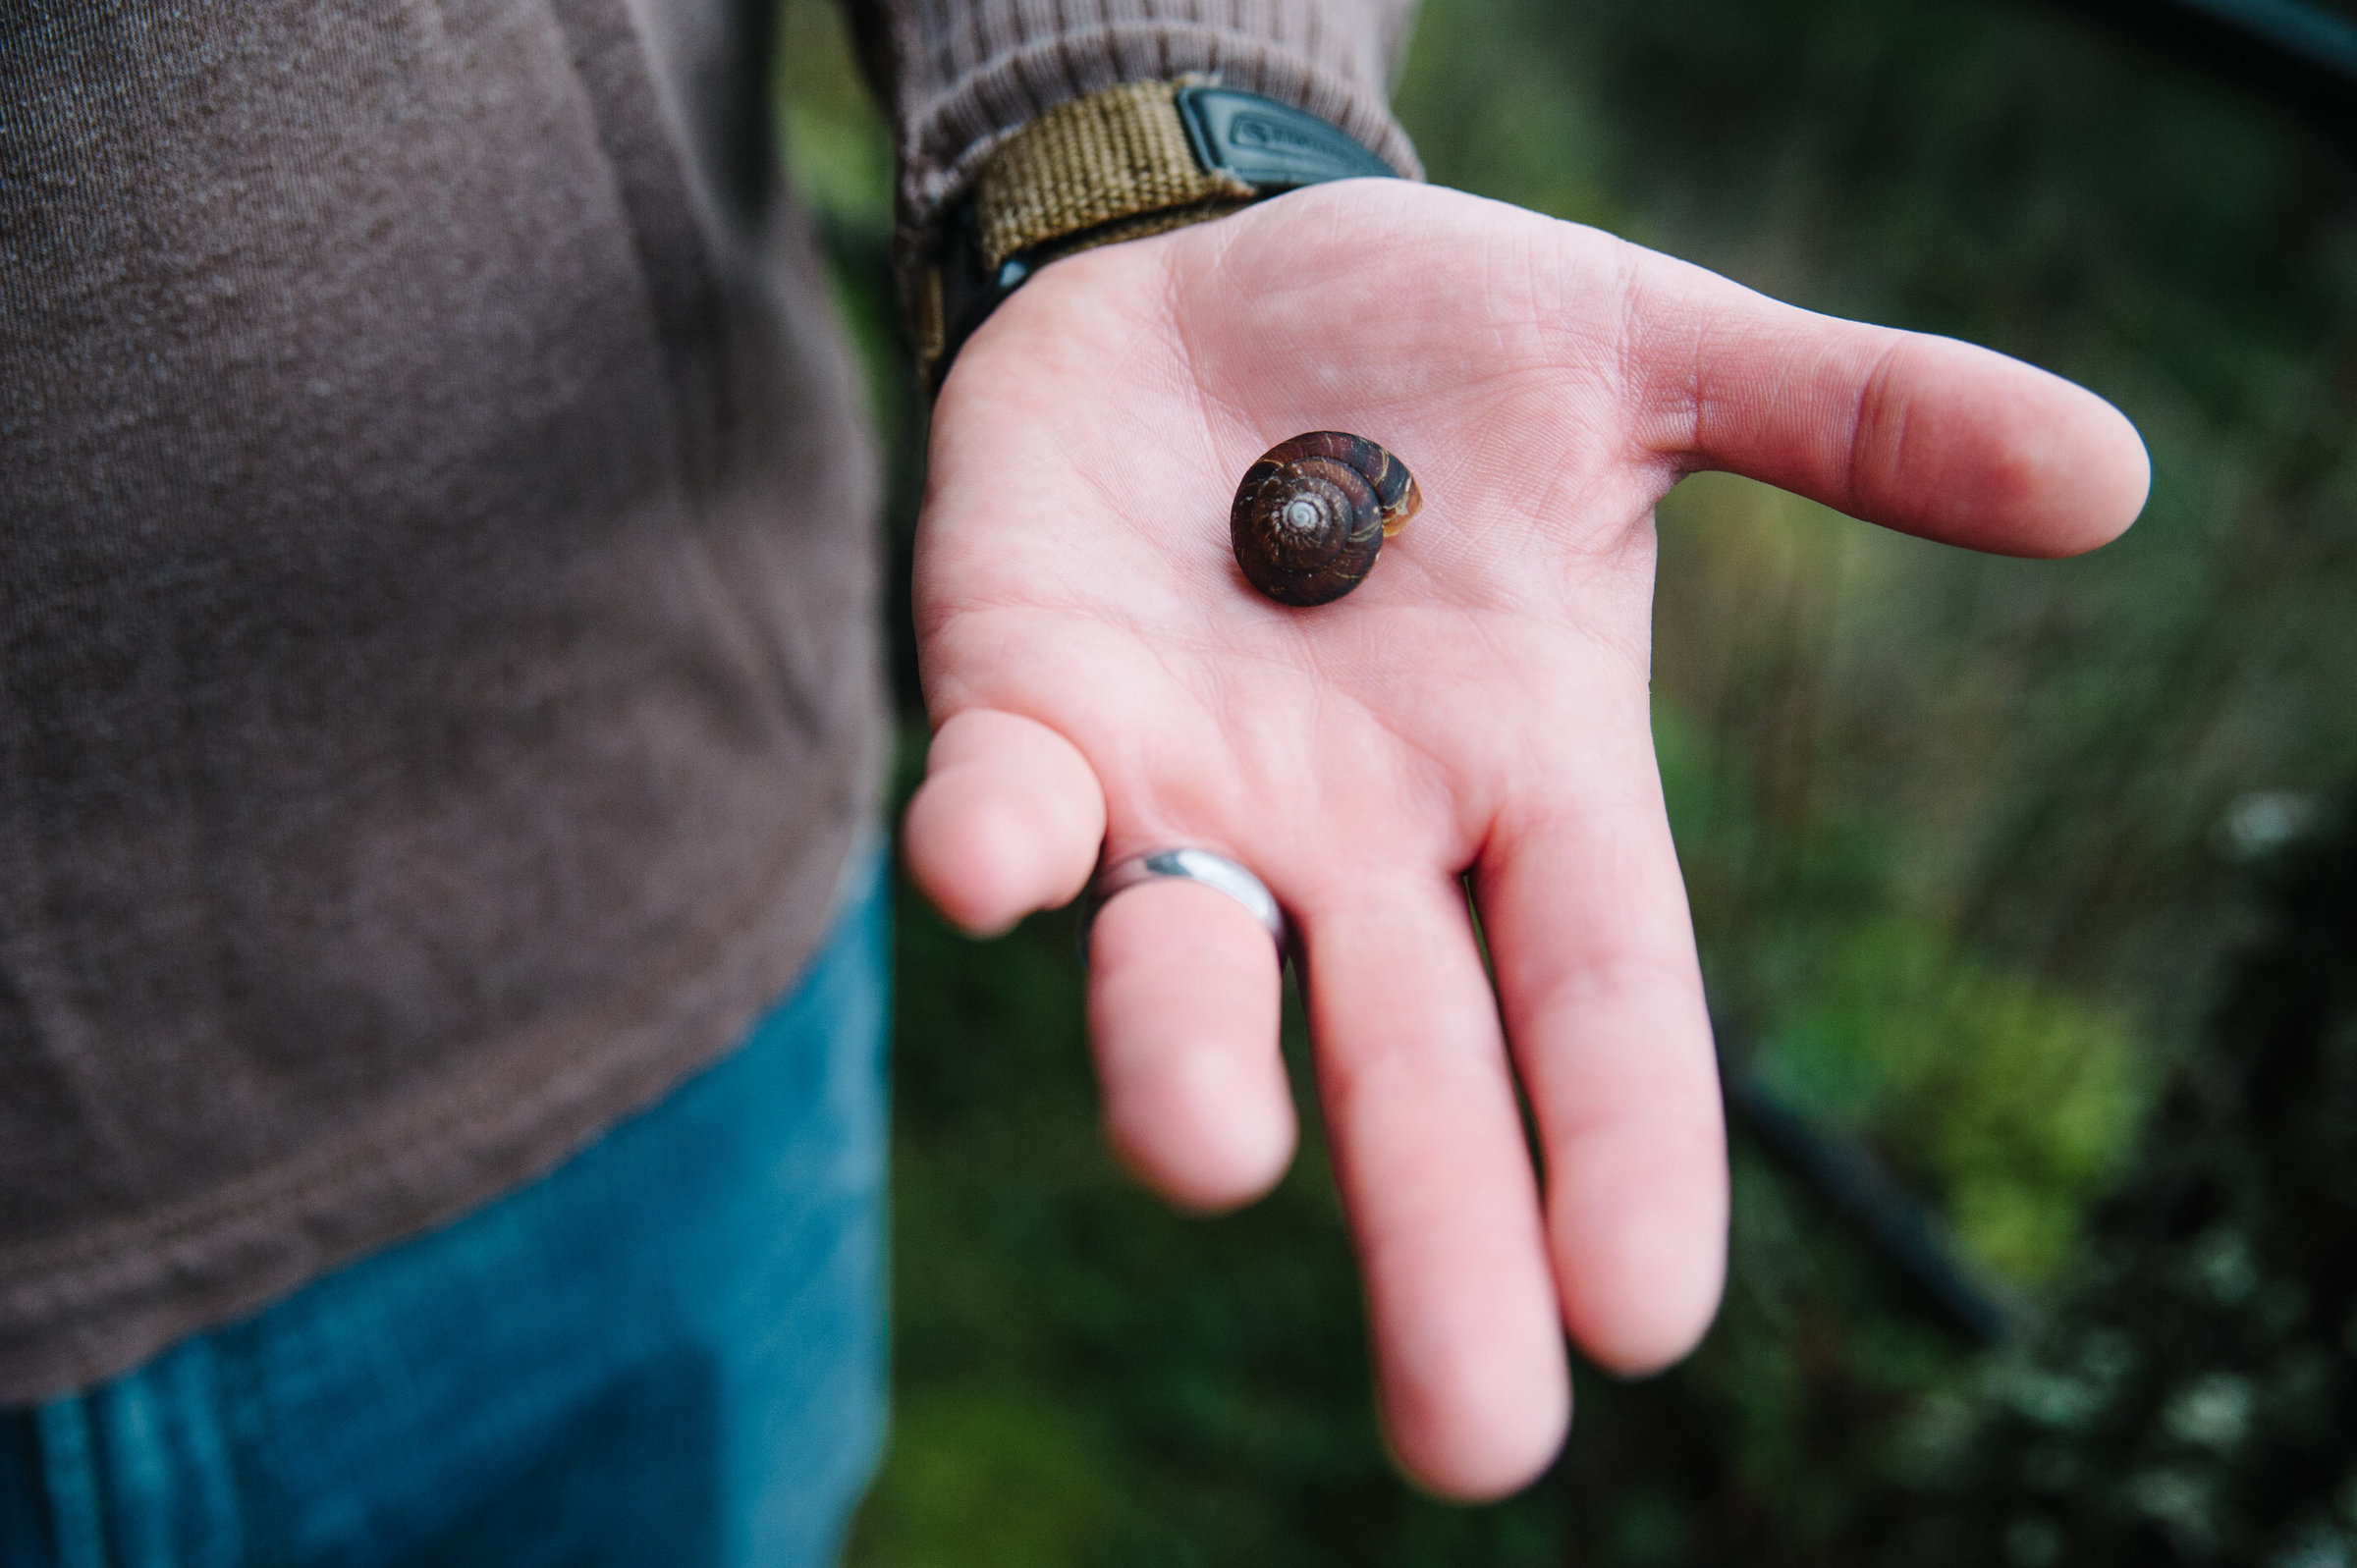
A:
[1312, 512]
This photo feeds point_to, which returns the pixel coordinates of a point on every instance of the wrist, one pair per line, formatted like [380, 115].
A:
[1129, 161]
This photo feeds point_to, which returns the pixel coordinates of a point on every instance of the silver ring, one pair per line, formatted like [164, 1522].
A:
[1187, 865]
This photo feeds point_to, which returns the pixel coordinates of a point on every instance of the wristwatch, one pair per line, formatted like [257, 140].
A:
[1117, 164]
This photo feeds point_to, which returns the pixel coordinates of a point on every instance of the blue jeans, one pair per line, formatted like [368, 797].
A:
[669, 1351]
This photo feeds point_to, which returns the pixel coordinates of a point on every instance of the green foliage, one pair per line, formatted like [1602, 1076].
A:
[838, 150]
[2016, 1101]
[2194, 1399]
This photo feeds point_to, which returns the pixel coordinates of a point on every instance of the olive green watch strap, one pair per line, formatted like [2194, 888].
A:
[1118, 164]
[1114, 155]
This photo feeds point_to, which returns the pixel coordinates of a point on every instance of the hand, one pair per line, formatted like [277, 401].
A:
[1475, 712]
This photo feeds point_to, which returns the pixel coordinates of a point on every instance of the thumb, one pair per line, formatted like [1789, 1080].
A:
[1007, 820]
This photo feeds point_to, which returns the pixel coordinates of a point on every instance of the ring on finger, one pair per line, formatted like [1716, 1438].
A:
[1211, 869]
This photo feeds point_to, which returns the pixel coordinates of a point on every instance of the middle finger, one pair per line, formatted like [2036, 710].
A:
[1429, 1151]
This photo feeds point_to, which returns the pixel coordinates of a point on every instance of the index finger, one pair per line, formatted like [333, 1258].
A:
[1923, 434]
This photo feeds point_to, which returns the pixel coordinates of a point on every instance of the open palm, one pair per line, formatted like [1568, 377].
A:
[1475, 714]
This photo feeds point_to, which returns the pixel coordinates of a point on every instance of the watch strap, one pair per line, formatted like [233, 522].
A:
[1093, 161]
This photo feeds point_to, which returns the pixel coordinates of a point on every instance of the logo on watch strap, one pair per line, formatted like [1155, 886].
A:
[1269, 146]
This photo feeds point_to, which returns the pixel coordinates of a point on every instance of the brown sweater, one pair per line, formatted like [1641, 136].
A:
[437, 691]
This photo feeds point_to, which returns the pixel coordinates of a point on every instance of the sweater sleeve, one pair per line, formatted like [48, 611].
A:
[960, 76]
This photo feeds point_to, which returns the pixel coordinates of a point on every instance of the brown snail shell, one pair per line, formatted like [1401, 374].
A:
[1312, 512]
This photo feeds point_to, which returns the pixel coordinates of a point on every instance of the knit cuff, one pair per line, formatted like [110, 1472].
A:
[969, 74]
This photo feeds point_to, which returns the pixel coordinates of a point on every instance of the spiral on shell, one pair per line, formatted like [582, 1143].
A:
[1311, 514]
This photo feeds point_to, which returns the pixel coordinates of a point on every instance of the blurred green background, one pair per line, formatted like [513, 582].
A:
[1997, 868]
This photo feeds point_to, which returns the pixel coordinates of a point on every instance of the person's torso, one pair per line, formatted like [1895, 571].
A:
[433, 580]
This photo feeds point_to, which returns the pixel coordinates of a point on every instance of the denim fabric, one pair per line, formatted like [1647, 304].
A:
[668, 1351]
